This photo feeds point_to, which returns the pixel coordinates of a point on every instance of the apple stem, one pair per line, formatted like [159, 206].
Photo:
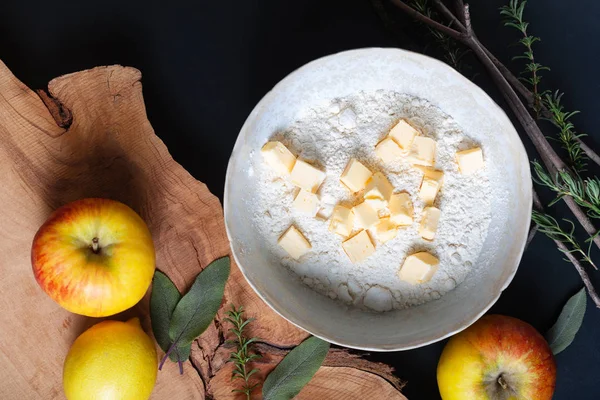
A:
[95, 245]
[502, 382]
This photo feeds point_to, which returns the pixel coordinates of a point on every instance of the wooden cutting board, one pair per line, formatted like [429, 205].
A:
[90, 137]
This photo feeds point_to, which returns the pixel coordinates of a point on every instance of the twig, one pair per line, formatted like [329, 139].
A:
[549, 157]
[559, 165]
[426, 20]
[467, 19]
[528, 96]
[592, 155]
[551, 160]
[532, 232]
[453, 50]
[511, 78]
[515, 82]
[446, 13]
[537, 204]
[582, 273]
[459, 5]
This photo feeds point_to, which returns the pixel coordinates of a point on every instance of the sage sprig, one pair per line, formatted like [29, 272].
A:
[163, 301]
[563, 332]
[192, 313]
[295, 370]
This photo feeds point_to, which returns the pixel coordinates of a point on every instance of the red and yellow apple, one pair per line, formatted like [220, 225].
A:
[94, 257]
[497, 358]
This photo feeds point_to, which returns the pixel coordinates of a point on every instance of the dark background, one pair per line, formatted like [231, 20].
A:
[205, 65]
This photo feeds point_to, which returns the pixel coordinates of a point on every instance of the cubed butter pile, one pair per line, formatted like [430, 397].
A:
[379, 213]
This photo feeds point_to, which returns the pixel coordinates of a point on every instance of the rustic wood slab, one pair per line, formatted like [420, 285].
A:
[90, 137]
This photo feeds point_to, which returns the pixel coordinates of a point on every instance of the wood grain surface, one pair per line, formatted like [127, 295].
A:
[89, 137]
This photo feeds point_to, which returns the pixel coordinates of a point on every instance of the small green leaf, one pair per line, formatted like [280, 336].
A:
[295, 370]
[569, 321]
[163, 300]
[197, 309]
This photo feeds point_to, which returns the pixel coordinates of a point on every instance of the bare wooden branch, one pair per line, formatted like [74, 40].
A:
[582, 273]
[592, 155]
[459, 22]
[533, 230]
[448, 14]
[550, 158]
[428, 21]
[467, 19]
[537, 204]
[459, 5]
[528, 96]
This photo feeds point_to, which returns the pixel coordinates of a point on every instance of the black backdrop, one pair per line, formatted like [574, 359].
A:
[205, 65]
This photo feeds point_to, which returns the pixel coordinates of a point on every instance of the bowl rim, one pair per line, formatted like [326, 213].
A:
[461, 324]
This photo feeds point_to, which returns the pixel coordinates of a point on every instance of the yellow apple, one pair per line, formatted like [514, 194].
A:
[94, 257]
[497, 358]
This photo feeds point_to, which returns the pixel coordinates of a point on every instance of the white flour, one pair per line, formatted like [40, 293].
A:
[327, 136]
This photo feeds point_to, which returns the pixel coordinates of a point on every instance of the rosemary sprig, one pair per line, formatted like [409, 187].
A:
[551, 228]
[513, 14]
[567, 135]
[585, 192]
[453, 53]
[462, 31]
[544, 102]
[242, 356]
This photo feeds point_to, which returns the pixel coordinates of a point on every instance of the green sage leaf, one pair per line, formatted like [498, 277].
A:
[295, 370]
[182, 353]
[561, 335]
[163, 300]
[196, 310]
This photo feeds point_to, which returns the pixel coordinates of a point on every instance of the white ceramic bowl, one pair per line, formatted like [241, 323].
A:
[397, 70]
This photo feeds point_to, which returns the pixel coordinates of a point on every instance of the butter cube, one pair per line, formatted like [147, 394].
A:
[294, 242]
[422, 151]
[388, 150]
[401, 209]
[307, 202]
[342, 221]
[429, 222]
[306, 177]
[429, 190]
[378, 187]
[418, 268]
[403, 134]
[278, 157]
[323, 214]
[385, 230]
[358, 247]
[431, 173]
[377, 204]
[470, 160]
[365, 216]
[355, 176]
